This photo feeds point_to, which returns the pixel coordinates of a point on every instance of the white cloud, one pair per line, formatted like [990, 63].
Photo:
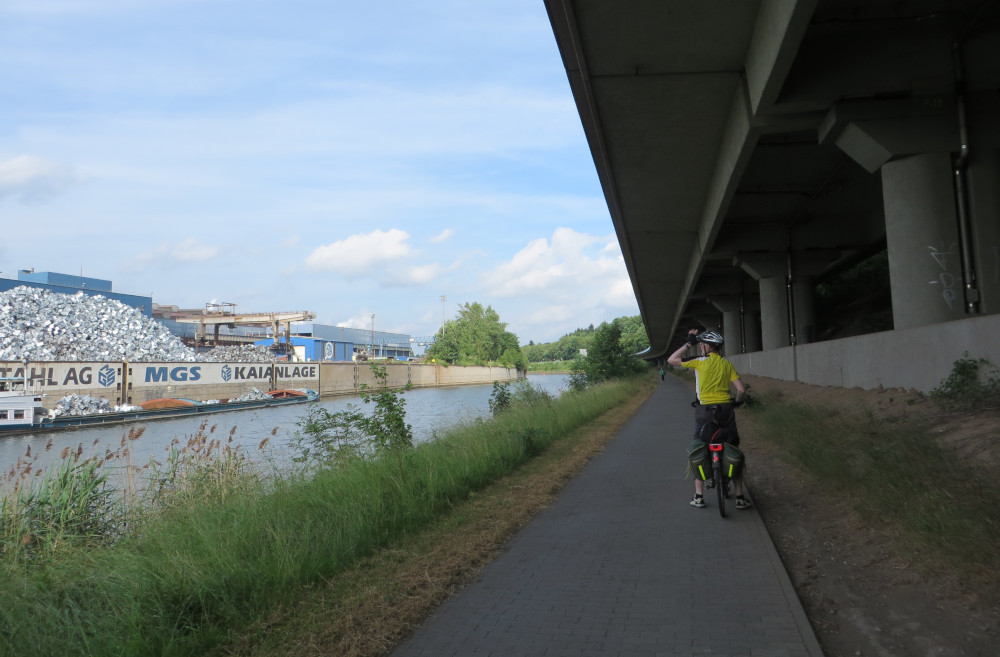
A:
[424, 273]
[446, 234]
[560, 284]
[362, 321]
[359, 255]
[166, 254]
[554, 269]
[34, 179]
[620, 293]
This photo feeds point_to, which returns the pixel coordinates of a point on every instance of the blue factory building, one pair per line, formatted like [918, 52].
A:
[69, 284]
[339, 343]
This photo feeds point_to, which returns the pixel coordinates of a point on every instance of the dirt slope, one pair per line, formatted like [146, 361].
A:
[864, 594]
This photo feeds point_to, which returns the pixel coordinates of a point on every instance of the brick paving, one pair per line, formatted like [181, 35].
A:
[621, 564]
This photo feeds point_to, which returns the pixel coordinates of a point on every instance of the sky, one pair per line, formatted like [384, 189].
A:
[344, 158]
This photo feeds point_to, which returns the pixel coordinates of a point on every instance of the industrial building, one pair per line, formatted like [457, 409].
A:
[308, 341]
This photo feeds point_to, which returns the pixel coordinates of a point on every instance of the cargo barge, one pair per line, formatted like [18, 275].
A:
[21, 410]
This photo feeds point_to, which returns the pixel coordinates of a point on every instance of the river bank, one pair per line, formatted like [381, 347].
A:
[233, 549]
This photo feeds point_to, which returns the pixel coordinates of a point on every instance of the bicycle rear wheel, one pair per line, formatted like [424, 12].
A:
[720, 487]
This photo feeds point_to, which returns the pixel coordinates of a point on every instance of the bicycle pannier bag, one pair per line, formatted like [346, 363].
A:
[732, 461]
[700, 460]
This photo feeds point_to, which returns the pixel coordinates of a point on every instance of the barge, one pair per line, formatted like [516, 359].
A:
[21, 410]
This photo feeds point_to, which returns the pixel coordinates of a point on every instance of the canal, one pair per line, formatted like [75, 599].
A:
[428, 411]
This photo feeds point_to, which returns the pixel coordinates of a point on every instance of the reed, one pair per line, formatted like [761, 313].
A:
[219, 546]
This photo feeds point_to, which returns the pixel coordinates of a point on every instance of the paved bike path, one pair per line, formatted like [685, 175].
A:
[621, 564]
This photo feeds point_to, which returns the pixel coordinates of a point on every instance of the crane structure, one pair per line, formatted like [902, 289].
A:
[217, 315]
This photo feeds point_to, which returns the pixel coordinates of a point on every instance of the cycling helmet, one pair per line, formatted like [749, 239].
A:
[711, 337]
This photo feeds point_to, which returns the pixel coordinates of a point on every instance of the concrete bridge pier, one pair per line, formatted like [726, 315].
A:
[925, 266]
[729, 306]
[740, 322]
[770, 270]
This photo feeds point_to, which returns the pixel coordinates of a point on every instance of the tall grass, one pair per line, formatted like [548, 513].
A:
[200, 566]
[895, 474]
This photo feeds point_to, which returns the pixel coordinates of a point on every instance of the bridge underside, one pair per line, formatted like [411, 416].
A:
[746, 147]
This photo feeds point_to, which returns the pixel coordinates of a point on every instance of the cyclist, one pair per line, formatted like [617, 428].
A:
[713, 377]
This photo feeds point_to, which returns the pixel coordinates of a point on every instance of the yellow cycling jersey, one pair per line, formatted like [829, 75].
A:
[712, 374]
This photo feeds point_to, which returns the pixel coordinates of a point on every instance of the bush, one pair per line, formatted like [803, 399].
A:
[973, 383]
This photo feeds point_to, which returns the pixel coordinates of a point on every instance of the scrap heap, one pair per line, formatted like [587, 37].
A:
[39, 325]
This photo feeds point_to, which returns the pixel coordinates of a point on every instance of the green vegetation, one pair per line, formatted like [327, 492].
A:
[609, 357]
[477, 337]
[327, 438]
[552, 366]
[895, 473]
[567, 348]
[215, 546]
[973, 384]
[520, 395]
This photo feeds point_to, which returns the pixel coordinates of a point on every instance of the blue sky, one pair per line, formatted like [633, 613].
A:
[347, 158]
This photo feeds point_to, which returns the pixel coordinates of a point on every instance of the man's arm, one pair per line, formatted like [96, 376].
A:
[675, 358]
[740, 390]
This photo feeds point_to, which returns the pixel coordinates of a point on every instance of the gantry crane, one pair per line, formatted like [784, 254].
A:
[224, 314]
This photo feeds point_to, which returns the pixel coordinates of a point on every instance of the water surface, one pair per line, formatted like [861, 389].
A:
[428, 410]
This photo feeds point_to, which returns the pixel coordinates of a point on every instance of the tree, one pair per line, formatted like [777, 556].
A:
[634, 337]
[477, 337]
[567, 347]
[607, 358]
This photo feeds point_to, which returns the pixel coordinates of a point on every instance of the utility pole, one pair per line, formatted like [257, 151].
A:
[444, 299]
[373, 337]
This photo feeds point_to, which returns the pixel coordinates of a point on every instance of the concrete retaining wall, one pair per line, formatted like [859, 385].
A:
[918, 358]
[133, 383]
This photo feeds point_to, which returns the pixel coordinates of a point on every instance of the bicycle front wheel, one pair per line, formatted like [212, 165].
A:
[720, 487]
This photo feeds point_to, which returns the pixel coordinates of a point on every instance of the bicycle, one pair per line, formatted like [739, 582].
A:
[721, 475]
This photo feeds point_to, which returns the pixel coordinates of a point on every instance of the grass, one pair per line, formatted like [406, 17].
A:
[224, 548]
[895, 474]
[552, 366]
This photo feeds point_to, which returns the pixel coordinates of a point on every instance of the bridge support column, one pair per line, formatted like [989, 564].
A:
[925, 268]
[770, 271]
[731, 326]
[784, 320]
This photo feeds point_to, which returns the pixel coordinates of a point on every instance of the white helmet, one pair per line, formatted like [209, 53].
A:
[711, 337]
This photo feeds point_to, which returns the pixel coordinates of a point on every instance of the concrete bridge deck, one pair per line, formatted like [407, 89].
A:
[621, 564]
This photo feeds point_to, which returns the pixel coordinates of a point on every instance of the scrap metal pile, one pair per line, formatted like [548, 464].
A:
[241, 353]
[86, 405]
[39, 325]
[255, 394]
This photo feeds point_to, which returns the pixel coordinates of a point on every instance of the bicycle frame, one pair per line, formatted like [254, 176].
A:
[718, 475]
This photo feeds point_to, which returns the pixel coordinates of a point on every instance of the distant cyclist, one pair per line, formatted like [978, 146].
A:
[713, 377]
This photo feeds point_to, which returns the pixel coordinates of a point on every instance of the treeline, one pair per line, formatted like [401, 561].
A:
[633, 340]
[477, 336]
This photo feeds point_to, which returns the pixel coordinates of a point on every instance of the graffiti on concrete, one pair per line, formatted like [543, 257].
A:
[945, 278]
